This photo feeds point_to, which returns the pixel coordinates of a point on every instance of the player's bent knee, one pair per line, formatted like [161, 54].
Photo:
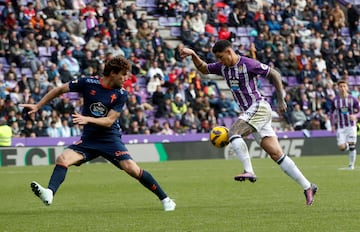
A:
[68, 158]
[131, 168]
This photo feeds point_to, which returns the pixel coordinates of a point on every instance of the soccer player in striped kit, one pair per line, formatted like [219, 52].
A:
[345, 110]
[241, 75]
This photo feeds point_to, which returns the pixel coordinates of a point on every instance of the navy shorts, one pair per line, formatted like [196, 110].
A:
[114, 151]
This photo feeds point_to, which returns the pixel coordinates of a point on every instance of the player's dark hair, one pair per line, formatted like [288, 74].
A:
[116, 64]
[221, 45]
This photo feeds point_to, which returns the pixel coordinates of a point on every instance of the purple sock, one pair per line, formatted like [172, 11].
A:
[57, 177]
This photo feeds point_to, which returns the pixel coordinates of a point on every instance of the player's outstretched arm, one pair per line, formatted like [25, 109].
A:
[47, 98]
[107, 121]
[198, 62]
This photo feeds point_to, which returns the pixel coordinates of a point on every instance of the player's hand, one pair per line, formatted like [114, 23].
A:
[353, 117]
[33, 107]
[79, 119]
[184, 52]
[282, 107]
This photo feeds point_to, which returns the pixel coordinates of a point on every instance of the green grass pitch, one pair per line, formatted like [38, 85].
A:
[99, 197]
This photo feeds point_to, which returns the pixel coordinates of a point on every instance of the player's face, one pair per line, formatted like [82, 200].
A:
[225, 57]
[343, 88]
[120, 78]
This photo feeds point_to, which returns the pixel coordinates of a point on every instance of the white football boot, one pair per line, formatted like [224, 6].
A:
[45, 194]
[169, 204]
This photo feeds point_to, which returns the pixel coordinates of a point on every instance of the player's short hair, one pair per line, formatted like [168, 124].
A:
[116, 64]
[221, 45]
[341, 82]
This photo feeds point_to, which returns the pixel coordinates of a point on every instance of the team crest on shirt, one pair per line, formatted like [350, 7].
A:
[344, 110]
[98, 109]
[264, 66]
[234, 84]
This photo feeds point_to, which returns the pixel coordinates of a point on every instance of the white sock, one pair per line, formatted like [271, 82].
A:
[241, 150]
[352, 157]
[290, 168]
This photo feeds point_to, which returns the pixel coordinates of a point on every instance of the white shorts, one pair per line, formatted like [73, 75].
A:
[346, 135]
[259, 116]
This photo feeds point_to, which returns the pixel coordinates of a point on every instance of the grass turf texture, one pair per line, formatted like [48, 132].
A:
[98, 197]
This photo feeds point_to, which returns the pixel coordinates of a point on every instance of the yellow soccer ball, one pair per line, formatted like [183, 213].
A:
[219, 136]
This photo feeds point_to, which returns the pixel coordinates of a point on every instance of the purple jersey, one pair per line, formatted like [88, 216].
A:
[242, 79]
[342, 108]
[98, 101]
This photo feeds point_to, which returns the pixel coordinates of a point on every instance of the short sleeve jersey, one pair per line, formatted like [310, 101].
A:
[98, 101]
[342, 108]
[242, 79]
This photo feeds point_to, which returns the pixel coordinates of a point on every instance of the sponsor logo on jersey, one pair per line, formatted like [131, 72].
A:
[264, 66]
[98, 109]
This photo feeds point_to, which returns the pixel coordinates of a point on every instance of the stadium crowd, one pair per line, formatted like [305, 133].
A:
[46, 43]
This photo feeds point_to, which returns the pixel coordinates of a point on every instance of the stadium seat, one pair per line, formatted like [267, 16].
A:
[292, 81]
[357, 80]
[163, 21]
[241, 31]
[227, 121]
[264, 81]
[27, 72]
[345, 31]
[267, 91]
[175, 31]
[351, 80]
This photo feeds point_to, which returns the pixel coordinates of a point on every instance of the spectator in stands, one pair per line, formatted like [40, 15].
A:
[298, 117]
[166, 129]
[190, 121]
[65, 130]
[224, 107]
[40, 129]
[65, 106]
[76, 130]
[337, 17]
[155, 70]
[350, 63]
[352, 18]
[71, 63]
[65, 74]
[197, 25]
[125, 120]
[186, 35]
[30, 59]
[143, 31]
[28, 130]
[15, 55]
[140, 116]
[134, 128]
[155, 128]
[162, 63]
[53, 131]
[16, 131]
[178, 107]
[154, 81]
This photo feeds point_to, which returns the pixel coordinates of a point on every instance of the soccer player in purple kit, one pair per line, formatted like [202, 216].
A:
[241, 75]
[345, 110]
[104, 99]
